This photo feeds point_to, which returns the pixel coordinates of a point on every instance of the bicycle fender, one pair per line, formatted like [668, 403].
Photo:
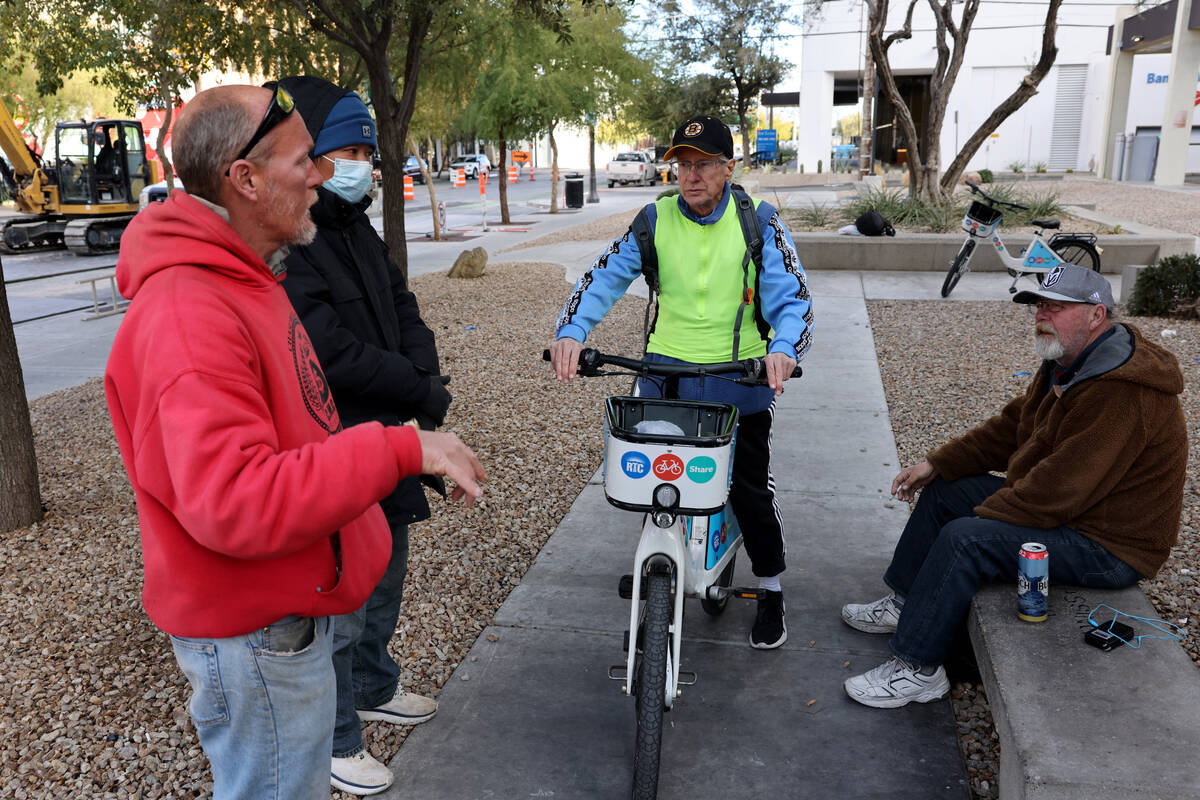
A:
[658, 548]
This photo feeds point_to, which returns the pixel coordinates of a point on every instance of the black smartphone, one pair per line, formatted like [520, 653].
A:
[1109, 635]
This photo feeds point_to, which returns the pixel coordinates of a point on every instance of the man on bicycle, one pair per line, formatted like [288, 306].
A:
[718, 299]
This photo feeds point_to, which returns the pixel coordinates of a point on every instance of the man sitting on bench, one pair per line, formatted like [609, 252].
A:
[1095, 453]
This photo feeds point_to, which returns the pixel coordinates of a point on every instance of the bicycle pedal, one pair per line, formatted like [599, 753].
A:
[687, 678]
[749, 594]
[625, 588]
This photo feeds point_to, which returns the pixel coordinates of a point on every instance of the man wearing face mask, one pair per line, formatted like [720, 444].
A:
[382, 364]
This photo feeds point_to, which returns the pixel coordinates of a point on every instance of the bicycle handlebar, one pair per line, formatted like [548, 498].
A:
[753, 370]
[991, 199]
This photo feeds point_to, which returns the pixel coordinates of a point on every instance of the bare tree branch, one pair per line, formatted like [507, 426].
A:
[1025, 90]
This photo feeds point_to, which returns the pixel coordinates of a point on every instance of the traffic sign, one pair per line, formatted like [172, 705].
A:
[766, 142]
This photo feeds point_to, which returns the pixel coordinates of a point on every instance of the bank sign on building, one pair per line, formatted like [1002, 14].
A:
[1061, 127]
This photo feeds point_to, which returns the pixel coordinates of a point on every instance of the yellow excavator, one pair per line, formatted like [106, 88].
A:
[86, 197]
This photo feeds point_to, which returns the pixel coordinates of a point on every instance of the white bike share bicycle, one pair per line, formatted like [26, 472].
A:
[680, 481]
[982, 221]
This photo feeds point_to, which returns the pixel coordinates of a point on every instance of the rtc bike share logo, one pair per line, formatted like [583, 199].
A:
[701, 469]
[718, 538]
[635, 465]
[668, 467]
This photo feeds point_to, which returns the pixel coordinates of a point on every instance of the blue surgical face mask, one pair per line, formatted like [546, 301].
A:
[351, 179]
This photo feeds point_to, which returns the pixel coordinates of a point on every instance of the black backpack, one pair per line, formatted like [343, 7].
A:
[872, 223]
[751, 232]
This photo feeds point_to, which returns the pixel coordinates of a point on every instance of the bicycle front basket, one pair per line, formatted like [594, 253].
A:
[981, 219]
[697, 459]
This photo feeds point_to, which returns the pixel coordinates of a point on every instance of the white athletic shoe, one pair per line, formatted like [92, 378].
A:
[402, 709]
[895, 683]
[882, 616]
[360, 774]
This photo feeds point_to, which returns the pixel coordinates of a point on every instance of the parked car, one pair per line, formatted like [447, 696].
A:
[412, 168]
[470, 164]
[155, 193]
[632, 167]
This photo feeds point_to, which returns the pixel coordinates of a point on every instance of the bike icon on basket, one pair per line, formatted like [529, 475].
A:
[671, 460]
[982, 221]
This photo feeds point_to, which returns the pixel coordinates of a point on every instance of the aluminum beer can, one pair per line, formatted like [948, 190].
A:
[1033, 582]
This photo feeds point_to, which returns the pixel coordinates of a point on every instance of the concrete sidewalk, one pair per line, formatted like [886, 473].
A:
[531, 712]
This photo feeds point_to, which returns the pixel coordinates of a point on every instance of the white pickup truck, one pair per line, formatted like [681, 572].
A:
[632, 167]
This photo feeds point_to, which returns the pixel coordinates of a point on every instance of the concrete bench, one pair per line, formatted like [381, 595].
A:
[1078, 723]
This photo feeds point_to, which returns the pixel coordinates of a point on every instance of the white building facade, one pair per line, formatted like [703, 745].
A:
[1061, 127]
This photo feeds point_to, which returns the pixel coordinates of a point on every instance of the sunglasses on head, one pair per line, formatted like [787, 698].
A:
[281, 105]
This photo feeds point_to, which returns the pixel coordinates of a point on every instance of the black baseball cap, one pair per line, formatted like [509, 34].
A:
[705, 134]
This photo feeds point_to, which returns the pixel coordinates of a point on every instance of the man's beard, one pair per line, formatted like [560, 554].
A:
[1047, 349]
[304, 230]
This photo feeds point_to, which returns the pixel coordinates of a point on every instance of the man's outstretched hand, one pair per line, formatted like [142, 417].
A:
[444, 454]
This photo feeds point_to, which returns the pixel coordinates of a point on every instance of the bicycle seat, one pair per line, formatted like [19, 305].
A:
[1050, 224]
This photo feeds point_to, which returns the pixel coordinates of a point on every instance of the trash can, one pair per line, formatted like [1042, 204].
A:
[574, 190]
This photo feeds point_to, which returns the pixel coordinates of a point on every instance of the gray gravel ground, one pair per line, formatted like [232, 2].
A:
[1169, 209]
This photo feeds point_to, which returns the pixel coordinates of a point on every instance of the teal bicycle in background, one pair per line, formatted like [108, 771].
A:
[982, 221]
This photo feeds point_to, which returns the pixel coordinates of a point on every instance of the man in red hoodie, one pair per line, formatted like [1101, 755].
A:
[259, 514]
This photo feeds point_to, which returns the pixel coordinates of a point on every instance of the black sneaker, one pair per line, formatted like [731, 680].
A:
[769, 631]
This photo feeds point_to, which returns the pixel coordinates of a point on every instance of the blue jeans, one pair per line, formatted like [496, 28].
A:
[263, 708]
[945, 553]
[366, 675]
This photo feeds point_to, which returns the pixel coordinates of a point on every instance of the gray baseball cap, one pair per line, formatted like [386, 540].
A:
[1070, 283]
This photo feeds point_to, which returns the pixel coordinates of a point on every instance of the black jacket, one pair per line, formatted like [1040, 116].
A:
[378, 355]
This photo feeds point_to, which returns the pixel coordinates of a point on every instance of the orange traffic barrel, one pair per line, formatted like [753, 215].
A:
[408, 188]
[460, 177]
[512, 174]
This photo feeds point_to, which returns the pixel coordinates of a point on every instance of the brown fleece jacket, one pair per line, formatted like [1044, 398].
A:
[1105, 453]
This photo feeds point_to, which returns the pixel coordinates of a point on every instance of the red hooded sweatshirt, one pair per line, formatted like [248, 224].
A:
[251, 498]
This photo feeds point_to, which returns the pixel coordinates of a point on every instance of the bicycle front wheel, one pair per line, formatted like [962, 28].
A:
[1076, 252]
[958, 267]
[652, 685]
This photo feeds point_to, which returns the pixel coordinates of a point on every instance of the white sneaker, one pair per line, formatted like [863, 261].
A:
[360, 774]
[402, 709]
[882, 616]
[895, 683]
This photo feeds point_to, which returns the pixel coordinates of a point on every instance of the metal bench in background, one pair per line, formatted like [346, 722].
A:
[115, 303]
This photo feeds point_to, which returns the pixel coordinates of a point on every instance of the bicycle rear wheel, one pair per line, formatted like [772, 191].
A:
[651, 685]
[1076, 252]
[958, 267]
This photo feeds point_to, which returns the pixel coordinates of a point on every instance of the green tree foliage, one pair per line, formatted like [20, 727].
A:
[146, 51]
[660, 102]
[80, 96]
[392, 39]
[734, 38]
[535, 80]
